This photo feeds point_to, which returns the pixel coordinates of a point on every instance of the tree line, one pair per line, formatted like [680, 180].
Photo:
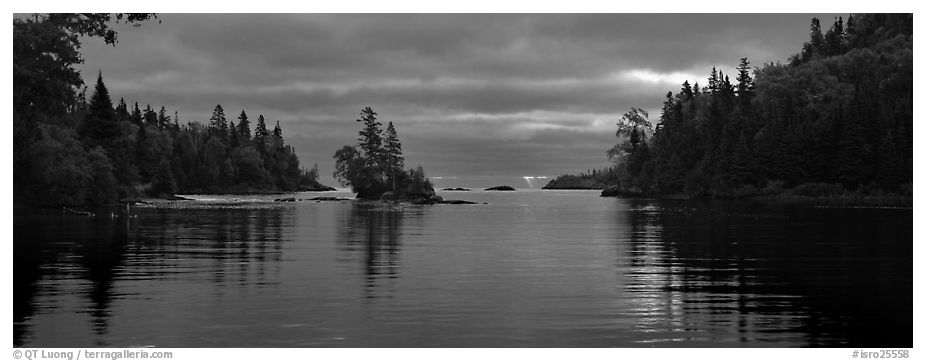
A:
[68, 150]
[837, 117]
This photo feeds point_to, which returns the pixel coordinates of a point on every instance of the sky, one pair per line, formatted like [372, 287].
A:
[469, 94]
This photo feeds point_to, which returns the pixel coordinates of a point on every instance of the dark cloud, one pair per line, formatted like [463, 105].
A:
[469, 93]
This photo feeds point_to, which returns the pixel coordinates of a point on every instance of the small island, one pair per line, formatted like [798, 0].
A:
[500, 188]
[374, 168]
[457, 189]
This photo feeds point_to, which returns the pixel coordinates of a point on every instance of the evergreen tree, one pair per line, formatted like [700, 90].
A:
[163, 118]
[99, 127]
[713, 81]
[122, 110]
[218, 122]
[371, 141]
[261, 134]
[244, 127]
[835, 38]
[744, 87]
[392, 148]
[151, 117]
[136, 115]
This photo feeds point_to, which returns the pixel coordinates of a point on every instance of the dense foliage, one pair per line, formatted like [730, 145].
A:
[590, 179]
[840, 113]
[71, 151]
[376, 165]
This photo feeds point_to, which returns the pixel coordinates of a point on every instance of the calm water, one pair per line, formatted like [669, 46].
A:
[530, 269]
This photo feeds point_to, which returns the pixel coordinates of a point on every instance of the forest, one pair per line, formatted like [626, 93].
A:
[71, 150]
[837, 118]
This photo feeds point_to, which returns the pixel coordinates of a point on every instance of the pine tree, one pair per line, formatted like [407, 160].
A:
[99, 127]
[122, 110]
[261, 134]
[218, 123]
[151, 118]
[244, 127]
[136, 115]
[163, 118]
[745, 83]
[835, 39]
[393, 154]
[816, 45]
[371, 139]
[713, 81]
[686, 90]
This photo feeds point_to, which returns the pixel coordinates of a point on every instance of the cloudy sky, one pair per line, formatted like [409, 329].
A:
[470, 94]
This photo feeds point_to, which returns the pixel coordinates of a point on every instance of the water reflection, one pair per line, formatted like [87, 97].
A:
[532, 269]
[373, 231]
[68, 264]
[735, 273]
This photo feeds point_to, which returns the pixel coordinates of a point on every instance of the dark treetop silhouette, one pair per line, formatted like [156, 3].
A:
[68, 151]
[837, 119]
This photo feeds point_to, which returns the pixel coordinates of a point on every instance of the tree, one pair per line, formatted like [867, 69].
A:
[347, 166]
[163, 118]
[122, 110]
[218, 123]
[633, 125]
[713, 81]
[835, 38]
[163, 182]
[261, 135]
[150, 116]
[817, 44]
[371, 139]
[136, 115]
[244, 127]
[99, 127]
[393, 154]
[744, 86]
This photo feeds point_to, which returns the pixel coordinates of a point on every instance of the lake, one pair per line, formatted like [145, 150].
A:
[530, 268]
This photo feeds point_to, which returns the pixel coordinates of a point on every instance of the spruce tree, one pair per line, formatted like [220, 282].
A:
[261, 134]
[744, 87]
[371, 139]
[151, 117]
[393, 154]
[136, 115]
[244, 127]
[163, 118]
[99, 127]
[218, 122]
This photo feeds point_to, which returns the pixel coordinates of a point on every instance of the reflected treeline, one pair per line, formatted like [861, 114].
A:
[764, 272]
[51, 247]
[157, 246]
[373, 230]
